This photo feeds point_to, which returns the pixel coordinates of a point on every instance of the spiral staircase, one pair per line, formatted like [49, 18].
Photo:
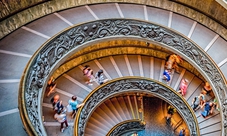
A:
[18, 47]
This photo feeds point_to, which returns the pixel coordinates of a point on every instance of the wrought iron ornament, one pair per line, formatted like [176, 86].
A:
[127, 127]
[57, 48]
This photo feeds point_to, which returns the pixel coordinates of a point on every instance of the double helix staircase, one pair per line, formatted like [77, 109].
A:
[121, 108]
[15, 55]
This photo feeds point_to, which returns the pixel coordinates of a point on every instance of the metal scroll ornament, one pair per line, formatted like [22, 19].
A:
[127, 127]
[135, 85]
[60, 46]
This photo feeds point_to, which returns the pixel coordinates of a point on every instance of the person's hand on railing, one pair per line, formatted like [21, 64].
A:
[80, 105]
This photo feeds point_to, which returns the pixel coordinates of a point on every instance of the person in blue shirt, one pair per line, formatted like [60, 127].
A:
[73, 102]
[208, 109]
[182, 132]
[166, 75]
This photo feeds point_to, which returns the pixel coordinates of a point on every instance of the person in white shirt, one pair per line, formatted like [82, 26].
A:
[100, 78]
[61, 118]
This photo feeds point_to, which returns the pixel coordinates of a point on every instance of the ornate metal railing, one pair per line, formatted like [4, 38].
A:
[54, 51]
[137, 85]
[126, 126]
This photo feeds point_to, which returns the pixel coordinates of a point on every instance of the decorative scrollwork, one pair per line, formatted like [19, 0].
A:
[61, 45]
[135, 84]
[127, 127]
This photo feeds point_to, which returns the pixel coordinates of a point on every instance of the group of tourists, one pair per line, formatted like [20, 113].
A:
[99, 77]
[60, 110]
[200, 101]
[171, 65]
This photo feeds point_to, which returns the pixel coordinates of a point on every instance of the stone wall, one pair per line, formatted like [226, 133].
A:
[10, 7]
[211, 8]
[16, 21]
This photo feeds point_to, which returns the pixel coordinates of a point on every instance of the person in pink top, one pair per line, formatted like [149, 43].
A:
[183, 87]
[88, 72]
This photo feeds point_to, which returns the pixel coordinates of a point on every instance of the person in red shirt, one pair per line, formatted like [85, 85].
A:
[183, 87]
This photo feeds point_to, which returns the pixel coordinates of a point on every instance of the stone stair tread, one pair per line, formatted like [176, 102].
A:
[133, 60]
[157, 68]
[211, 119]
[100, 122]
[124, 107]
[97, 128]
[102, 119]
[216, 133]
[134, 106]
[108, 67]
[105, 115]
[118, 107]
[93, 132]
[146, 65]
[73, 88]
[109, 8]
[211, 128]
[120, 61]
[128, 106]
[109, 111]
[114, 110]
[193, 85]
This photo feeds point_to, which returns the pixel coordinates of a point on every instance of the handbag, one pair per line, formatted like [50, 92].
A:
[69, 108]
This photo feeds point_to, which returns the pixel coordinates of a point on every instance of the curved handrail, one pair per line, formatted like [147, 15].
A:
[126, 126]
[138, 85]
[54, 51]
